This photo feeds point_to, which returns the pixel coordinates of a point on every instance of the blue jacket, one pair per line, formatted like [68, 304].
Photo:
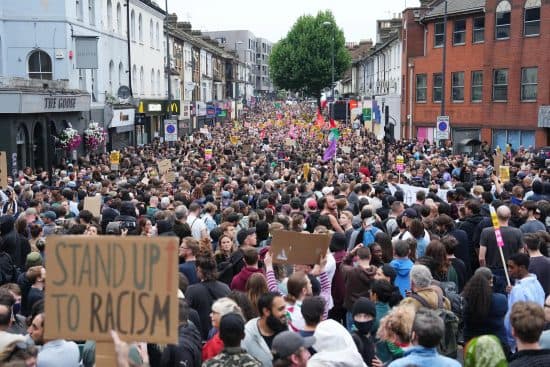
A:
[424, 357]
[403, 269]
[526, 289]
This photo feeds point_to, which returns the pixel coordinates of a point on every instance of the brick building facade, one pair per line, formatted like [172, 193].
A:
[497, 71]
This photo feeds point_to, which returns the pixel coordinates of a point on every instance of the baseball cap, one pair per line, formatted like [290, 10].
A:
[231, 324]
[327, 190]
[410, 213]
[49, 214]
[288, 343]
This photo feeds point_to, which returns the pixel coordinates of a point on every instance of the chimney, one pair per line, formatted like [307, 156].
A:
[196, 32]
[172, 19]
[184, 26]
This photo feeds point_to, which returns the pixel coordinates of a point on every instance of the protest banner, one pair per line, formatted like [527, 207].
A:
[164, 166]
[93, 204]
[208, 154]
[409, 192]
[504, 173]
[3, 170]
[498, 160]
[500, 241]
[400, 164]
[290, 247]
[170, 177]
[101, 283]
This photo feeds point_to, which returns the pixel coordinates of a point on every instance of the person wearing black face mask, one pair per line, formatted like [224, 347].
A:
[364, 313]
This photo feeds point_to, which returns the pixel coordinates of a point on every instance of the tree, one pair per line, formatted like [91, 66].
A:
[302, 61]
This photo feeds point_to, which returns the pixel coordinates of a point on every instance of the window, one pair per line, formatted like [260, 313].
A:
[158, 82]
[151, 34]
[529, 80]
[40, 66]
[157, 35]
[118, 18]
[134, 79]
[133, 25]
[500, 85]
[515, 138]
[120, 74]
[421, 88]
[79, 9]
[459, 33]
[153, 82]
[457, 86]
[437, 87]
[91, 11]
[111, 76]
[140, 28]
[479, 30]
[141, 86]
[477, 86]
[531, 19]
[109, 15]
[439, 34]
[502, 30]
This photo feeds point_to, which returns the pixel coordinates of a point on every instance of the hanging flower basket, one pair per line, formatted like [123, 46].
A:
[69, 139]
[94, 136]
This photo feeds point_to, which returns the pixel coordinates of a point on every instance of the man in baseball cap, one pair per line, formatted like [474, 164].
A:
[292, 348]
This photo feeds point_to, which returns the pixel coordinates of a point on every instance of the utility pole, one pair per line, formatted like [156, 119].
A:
[168, 69]
[444, 66]
[128, 48]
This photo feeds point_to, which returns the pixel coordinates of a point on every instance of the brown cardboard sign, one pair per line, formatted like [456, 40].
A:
[3, 170]
[297, 248]
[170, 177]
[164, 166]
[101, 283]
[498, 161]
[93, 204]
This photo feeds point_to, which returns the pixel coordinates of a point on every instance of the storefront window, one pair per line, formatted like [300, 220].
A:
[516, 138]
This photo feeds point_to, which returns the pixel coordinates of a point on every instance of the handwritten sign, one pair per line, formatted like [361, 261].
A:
[504, 173]
[298, 248]
[400, 163]
[171, 177]
[102, 283]
[3, 170]
[208, 154]
[93, 204]
[164, 166]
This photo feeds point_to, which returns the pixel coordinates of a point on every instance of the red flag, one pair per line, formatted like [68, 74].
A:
[332, 123]
[323, 104]
[320, 120]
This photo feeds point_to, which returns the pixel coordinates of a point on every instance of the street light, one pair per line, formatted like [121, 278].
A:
[327, 23]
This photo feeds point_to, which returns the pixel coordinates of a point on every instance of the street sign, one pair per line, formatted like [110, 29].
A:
[170, 130]
[442, 128]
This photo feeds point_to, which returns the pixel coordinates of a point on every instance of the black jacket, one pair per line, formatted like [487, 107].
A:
[201, 296]
[188, 352]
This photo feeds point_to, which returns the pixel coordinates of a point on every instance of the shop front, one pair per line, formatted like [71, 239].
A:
[150, 116]
[121, 128]
[32, 121]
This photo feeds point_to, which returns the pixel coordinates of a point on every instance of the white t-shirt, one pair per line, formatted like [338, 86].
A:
[197, 226]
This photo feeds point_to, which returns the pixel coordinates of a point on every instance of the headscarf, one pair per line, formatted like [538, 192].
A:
[484, 351]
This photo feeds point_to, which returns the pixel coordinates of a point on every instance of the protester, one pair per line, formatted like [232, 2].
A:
[527, 322]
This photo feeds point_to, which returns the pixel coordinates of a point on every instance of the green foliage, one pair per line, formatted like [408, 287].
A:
[302, 61]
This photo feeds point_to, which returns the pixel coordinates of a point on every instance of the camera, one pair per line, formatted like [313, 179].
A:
[116, 228]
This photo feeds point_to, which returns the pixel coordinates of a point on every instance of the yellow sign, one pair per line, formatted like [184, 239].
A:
[306, 170]
[140, 107]
[504, 173]
[114, 157]
[172, 108]
[234, 140]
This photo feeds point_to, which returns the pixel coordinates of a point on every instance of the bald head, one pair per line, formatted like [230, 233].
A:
[503, 213]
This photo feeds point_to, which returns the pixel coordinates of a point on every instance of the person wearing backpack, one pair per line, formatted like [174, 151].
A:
[427, 333]
[427, 295]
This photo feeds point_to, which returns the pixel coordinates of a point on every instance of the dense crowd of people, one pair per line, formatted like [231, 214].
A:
[415, 274]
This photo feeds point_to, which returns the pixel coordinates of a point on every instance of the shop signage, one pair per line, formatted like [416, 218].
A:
[36, 103]
[124, 117]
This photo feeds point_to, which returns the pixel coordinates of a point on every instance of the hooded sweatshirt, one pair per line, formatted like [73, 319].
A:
[239, 281]
[335, 347]
[403, 268]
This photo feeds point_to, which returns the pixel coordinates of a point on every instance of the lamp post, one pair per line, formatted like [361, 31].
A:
[444, 66]
[327, 24]
[237, 43]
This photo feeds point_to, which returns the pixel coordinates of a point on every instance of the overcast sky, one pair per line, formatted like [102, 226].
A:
[272, 19]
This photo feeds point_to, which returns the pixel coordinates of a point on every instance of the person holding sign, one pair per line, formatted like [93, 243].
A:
[489, 253]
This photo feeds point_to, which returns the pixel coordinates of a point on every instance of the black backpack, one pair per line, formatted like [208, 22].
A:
[448, 346]
[8, 270]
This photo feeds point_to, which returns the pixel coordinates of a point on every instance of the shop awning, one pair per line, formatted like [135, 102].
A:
[470, 142]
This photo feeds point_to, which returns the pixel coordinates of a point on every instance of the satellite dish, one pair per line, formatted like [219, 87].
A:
[123, 92]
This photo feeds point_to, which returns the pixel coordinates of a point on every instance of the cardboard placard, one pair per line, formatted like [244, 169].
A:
[504, 173]
[171, 177]
[93, 204]
[164, 166]
[297, 248]
[346, 150]
[498, 161]
[3, 170]
[208, 154]
[101, 283]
